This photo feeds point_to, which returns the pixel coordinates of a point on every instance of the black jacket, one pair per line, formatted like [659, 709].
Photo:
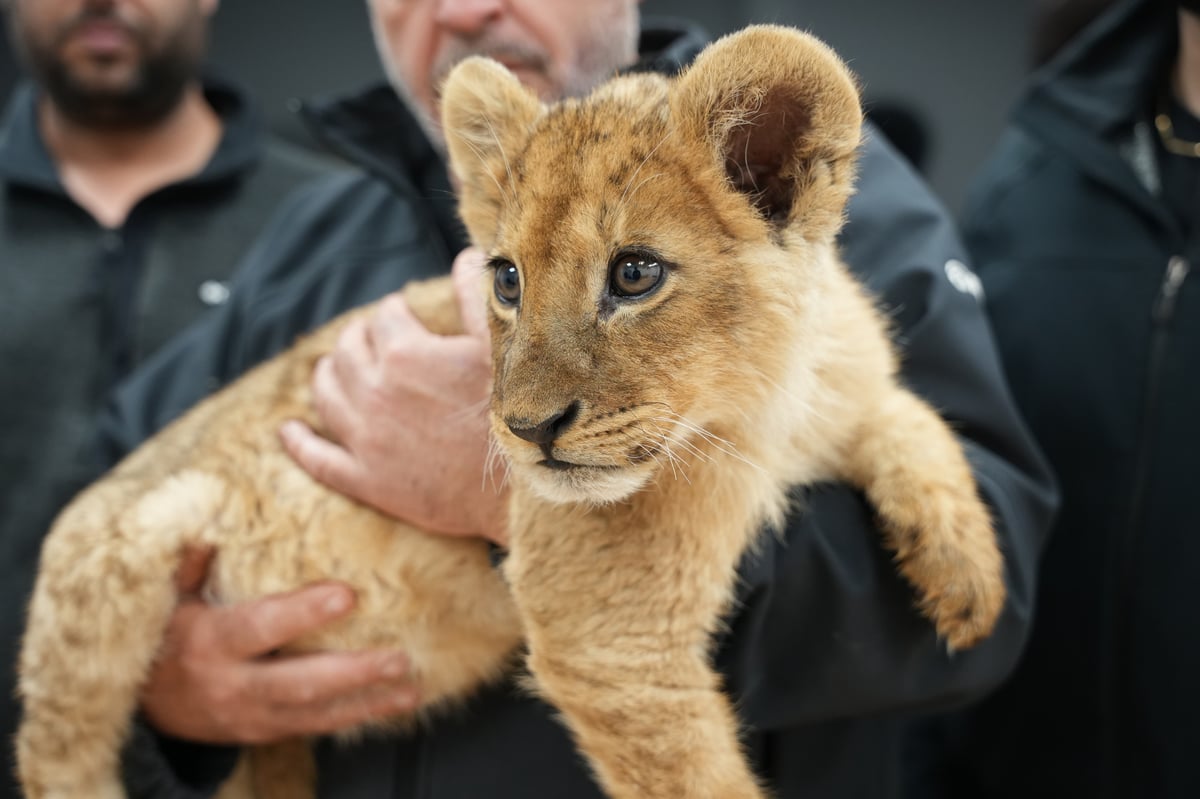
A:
[1074, 244]
[81, 305]
[826, 652]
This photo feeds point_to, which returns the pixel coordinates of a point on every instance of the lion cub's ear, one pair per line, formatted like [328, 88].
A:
[487, 116]
[780, 113]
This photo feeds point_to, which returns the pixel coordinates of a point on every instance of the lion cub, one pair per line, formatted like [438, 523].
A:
[675, 343]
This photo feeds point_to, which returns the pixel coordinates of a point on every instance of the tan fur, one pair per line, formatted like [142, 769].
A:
[757, 365]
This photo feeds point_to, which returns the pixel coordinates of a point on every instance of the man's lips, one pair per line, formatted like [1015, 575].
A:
[101, 36]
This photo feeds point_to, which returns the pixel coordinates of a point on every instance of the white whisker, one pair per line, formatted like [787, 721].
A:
[649, 155]
[718, 443]
[504, 157]
[479, 154]
[495, 454]
[467, 411]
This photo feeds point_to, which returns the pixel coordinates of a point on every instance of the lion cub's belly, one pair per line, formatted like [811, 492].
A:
[436, 599]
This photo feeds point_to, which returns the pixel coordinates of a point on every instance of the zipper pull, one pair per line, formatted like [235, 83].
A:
[1177, 272]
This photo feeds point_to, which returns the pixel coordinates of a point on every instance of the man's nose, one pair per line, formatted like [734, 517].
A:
[468, 17]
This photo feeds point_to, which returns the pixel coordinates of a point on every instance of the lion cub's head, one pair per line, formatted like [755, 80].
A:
[655, 249]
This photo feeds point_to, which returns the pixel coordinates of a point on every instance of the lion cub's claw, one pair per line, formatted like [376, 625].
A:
[966, 611]
[957, 570]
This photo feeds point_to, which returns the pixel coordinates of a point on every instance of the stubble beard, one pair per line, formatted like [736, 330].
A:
[612, 47]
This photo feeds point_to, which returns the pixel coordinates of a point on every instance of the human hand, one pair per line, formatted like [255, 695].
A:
[407, 410]
[216, 681]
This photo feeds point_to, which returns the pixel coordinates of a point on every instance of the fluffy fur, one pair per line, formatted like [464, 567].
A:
[651, 437]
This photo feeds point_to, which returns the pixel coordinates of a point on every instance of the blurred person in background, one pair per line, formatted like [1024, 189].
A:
[129, 189]
[1056, 22]
[1085, 229]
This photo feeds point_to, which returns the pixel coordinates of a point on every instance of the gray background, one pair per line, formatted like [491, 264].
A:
[958, 63]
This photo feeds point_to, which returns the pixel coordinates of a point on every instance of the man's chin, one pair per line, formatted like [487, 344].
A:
[113, 98]
[100, 69]
[536, 81]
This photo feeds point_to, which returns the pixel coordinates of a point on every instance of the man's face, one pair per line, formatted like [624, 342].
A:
[558, 48]
[112, 62]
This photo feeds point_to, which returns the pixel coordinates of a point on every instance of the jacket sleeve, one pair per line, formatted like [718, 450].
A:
[827, 629]
[155, 766]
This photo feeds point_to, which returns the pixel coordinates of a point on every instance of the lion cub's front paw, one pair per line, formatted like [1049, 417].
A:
[957, 570]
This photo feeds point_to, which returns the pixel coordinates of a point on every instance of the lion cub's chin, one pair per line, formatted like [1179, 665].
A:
[592, 485]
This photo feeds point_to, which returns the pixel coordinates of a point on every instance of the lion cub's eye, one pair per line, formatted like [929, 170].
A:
[634, 274]
[508, 282]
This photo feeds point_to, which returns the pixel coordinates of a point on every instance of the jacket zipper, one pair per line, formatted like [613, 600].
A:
[1161, 317]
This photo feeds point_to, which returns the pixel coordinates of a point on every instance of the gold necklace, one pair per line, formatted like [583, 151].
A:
[1174, 144]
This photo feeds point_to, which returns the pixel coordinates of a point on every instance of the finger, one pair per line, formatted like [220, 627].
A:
[468, 274]
[303, 680]
[353, 355]
[253, 629]
[331, 401]
[326, 462]
[193, 569]
[392, 323]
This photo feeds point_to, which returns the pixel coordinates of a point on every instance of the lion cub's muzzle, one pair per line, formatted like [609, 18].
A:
[545, 432]
[577, 454]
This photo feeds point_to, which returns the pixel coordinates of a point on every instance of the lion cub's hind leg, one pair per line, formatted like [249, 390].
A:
[915, 474]
[104, 594]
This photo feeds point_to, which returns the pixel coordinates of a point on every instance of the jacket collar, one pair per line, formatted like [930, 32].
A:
[1090, 104]
[1101, 80]
[374, 130]
[25, 161]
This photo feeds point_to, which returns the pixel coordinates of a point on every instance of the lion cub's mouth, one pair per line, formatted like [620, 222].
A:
[554, 464]
[557, 480]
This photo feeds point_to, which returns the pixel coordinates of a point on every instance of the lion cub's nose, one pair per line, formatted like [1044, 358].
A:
[548, 429]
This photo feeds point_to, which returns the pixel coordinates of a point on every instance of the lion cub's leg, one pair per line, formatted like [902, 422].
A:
[618, 621]
[915, 474]
[286, 770]
[104, 593]
[240, 784]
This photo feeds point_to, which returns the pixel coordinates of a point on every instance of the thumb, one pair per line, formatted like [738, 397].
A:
[468, 273]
